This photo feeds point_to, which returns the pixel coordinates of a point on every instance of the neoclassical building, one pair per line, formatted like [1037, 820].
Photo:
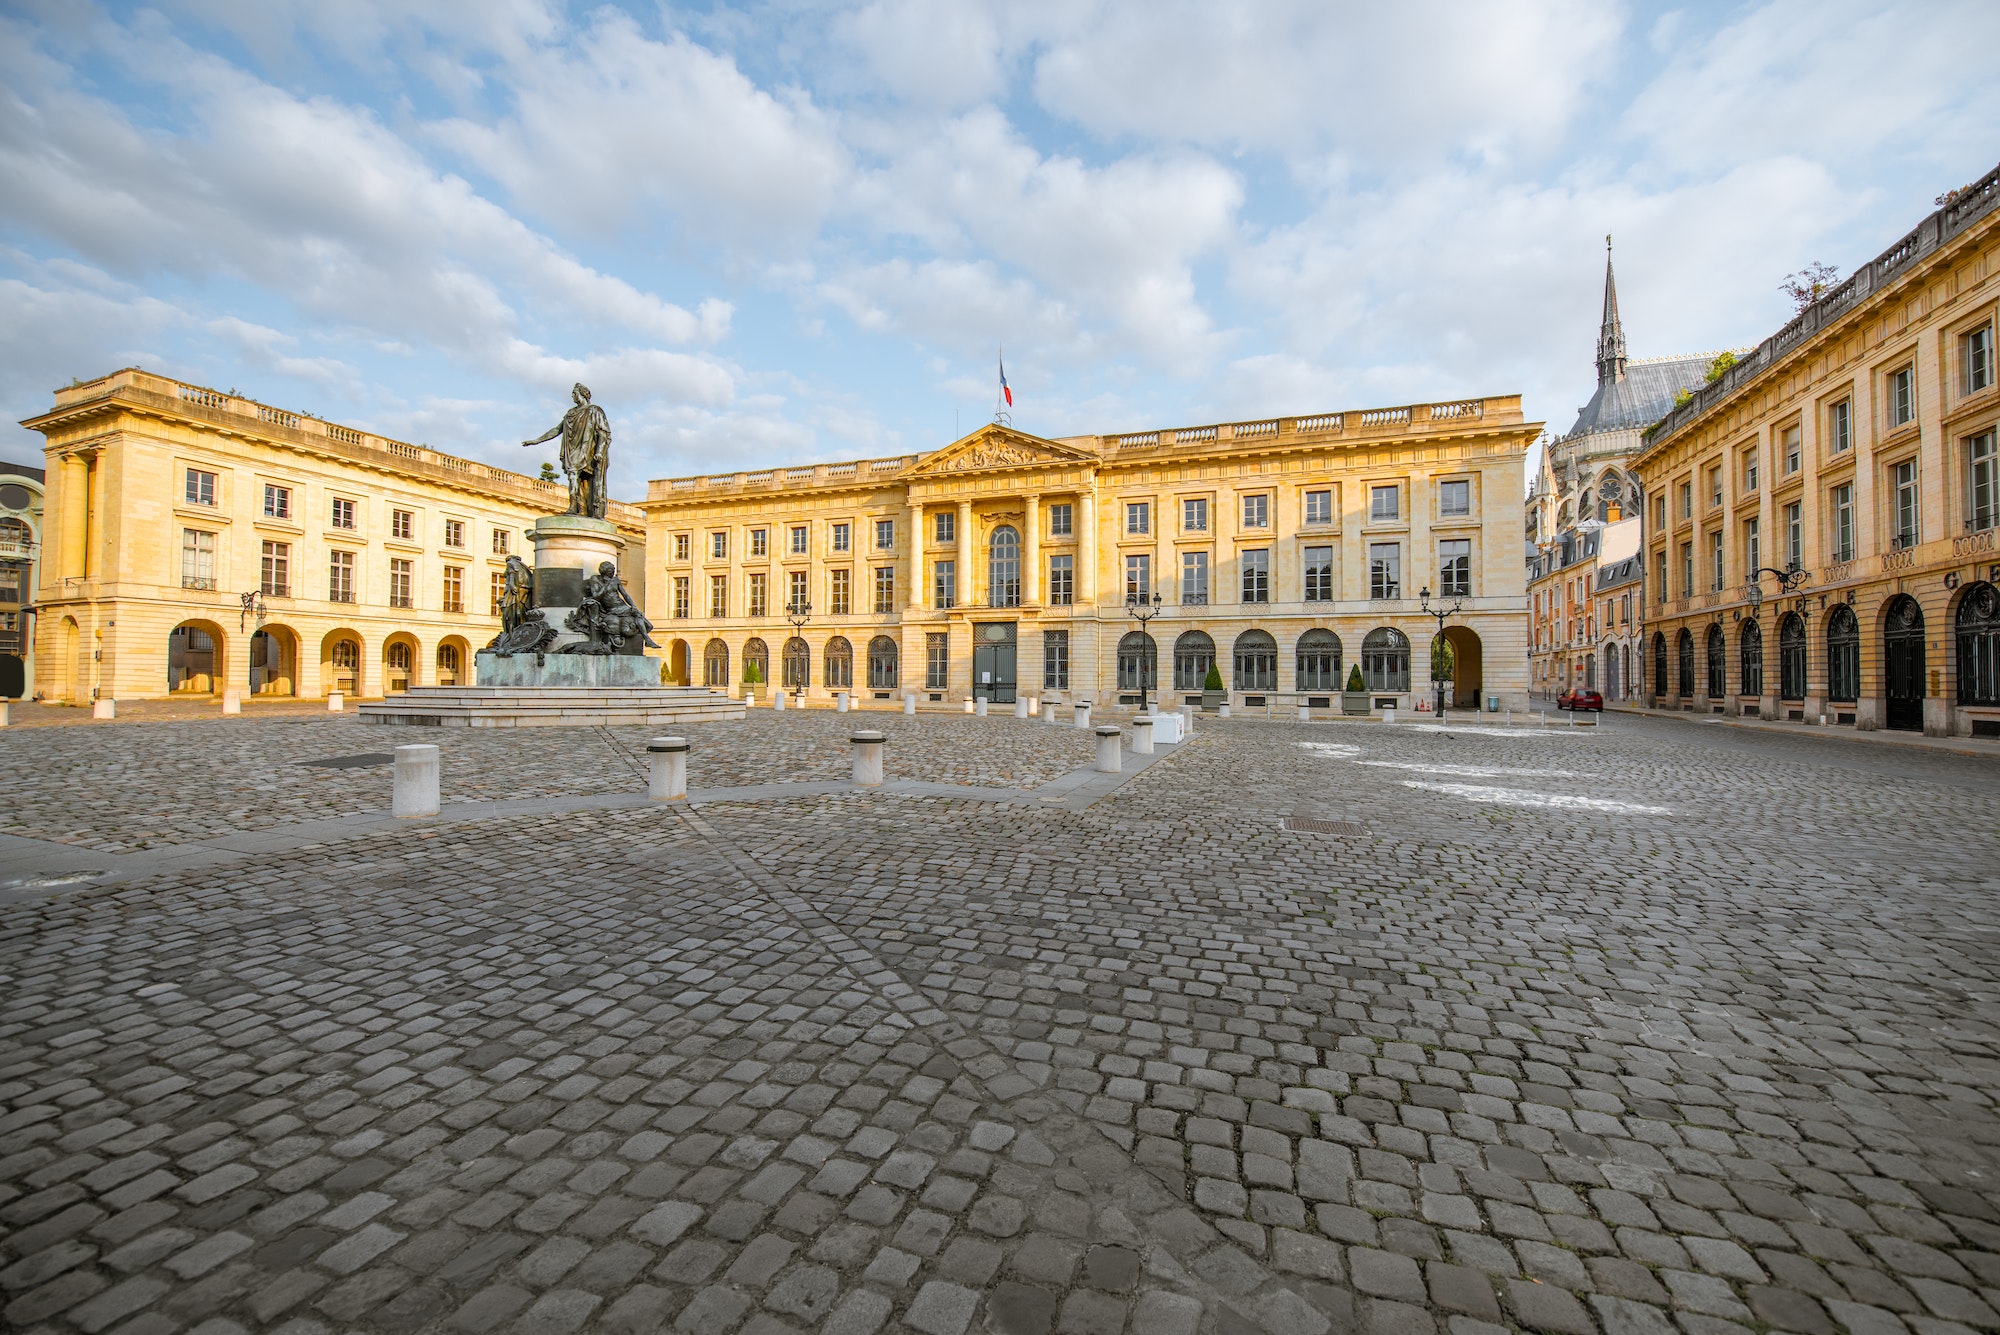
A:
[198, 541]
[1282, 551]
[1585, 596]
[1852, 457]
[20, 551]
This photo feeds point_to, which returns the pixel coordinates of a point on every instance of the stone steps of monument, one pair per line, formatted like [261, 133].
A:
[526, 707]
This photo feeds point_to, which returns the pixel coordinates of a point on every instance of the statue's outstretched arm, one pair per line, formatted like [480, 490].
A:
[550, 434]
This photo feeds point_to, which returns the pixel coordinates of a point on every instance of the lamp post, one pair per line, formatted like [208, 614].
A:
[1143, 610]
[798, 612]
[252, 602]
[1441, 613]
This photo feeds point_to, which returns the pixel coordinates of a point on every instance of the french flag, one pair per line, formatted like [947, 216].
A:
[1008, 393]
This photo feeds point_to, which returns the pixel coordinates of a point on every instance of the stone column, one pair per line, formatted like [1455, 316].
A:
[1086, 552]
[75, 516]
[967, 588]
[913, 524]
[1031, 552]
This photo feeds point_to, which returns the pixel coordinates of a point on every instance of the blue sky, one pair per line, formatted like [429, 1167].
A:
[793, 231]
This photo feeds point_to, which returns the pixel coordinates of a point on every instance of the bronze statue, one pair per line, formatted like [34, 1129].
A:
[530, 635]
[607, 617]
[517, 593]
[586, 453]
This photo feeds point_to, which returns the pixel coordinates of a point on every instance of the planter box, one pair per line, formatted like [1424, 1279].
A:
[1355, 702]
[1210, 699]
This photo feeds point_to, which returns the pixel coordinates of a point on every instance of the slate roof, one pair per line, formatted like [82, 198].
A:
[1642, 396]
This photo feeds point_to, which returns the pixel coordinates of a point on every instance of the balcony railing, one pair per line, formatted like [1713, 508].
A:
[274, 590]
[204, 583]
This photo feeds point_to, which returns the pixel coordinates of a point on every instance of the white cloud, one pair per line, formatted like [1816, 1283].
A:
[945, 56]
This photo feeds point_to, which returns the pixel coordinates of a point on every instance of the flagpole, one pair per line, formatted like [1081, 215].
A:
[1002, 399]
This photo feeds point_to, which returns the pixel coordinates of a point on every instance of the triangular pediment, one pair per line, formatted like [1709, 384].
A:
[994, 446]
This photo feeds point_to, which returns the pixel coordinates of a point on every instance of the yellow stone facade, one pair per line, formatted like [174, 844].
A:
[195, 541]
[1037, 543]
[1858, 445]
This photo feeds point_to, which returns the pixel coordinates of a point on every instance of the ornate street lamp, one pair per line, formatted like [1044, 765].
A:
[1143, 610]
[252, 603]
[1442, 614]
[798, 612]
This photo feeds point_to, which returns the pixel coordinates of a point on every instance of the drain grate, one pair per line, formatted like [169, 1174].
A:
[1303, 825]
[350, 762]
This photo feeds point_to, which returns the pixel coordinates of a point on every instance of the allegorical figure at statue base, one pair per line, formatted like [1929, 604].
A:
[522, 627]
[586, 453]
[607, 618]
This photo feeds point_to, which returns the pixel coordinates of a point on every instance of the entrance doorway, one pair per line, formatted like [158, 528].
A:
[993, 646]
[1903, 648]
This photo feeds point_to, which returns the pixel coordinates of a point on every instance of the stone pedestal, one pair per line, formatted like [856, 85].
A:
[568, 549]
[553, 669]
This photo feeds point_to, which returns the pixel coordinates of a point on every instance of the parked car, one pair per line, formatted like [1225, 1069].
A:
[1580, 699]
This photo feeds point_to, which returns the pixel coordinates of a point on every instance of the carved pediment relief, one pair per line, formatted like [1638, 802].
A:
[997, 447]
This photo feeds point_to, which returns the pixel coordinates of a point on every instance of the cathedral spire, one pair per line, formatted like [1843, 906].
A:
[1611, 334]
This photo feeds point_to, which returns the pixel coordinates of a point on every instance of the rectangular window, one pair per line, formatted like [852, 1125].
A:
[1138, 576]
[1843, 522]
[1319, 574]
[1839, 426]
[1687, 570]
[718, 595]
[402, 577]
[1750, 472]
[1793, 444]
[1319, 507]
[937, 661]
[840, 592]
[1139, 517]
[277, 570]
[1715, 560]
[718, 545]
[841, 535]
[1753, 553]
[197, 559]
[501, 542]
[1384, 503]
[759, 594]
[343, 513]
[944, 584]
[885, 535]
[1455, 499]
[1659, 512]
[1795, 538]
[1975, 354]
[1906, 504]
[885, 589]
[1256, 512]
[1902, 397]
[340, 577]
[1982, 491]
[1062, 520]
[947, 526]
[1455, 568]
[1055, 660]
[1715, 488]
[454, 533]
[1660, 576]
[1062, 581]
[1194, 578]
[454, 588]
[200, 487]
[402, 526]
[795, 590]
[1194, 514]
[498, 582]
[683, 603]
[1256, 564]
[760, 542]
[277, 502]
[1385, 570]
[1687, 500]
[681, 543]
[798, 540]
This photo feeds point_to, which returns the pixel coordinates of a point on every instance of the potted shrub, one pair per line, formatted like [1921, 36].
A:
[1212, 692]
[1354, 700]
[752, 679]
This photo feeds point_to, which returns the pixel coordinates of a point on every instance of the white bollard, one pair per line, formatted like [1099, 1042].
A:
[416, 781]
[3, 713]
[979, 706]
[1108, 761]
[1152, 709]
[968, 706]
[1187, 720]
[778, 701]
[868, 758]
[1389, 714]
[1083, 714]
[669, 779]
[909, 704]
[1048, 711]
[335, 702]
[104, 709]
[1222, 710]
[840, 705]
[1305, 714]
[1020, 706]
[1034, 705]
[1142, 736]
[232, 701]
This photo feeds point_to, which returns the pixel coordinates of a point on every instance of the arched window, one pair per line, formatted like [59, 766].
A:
[1684, 651]
[1138, 665]
[1319, 661]
[798, 664]
[1843, 655]
[1660, 686]
[839, 666]
[1385, 660]
[757, 659]
[1979, 646]
[1590, 672]
[1003, 568]
[397, 659]
[1256, 661]
[1792, 657]
[882, 664]
[1610, 492]
[1194, 654]
[715, 664]
[1718, 664]
[447, 664]
[1753, 658]
[347, 665]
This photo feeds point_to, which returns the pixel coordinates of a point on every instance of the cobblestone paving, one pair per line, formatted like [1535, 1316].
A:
[130, 786]
[863, 1062]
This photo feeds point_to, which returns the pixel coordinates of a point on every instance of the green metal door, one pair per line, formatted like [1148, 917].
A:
[993, 652]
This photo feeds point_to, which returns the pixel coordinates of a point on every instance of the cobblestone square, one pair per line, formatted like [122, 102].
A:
[1650, 1028]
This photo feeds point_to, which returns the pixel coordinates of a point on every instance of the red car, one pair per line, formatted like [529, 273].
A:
[1580, 699]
